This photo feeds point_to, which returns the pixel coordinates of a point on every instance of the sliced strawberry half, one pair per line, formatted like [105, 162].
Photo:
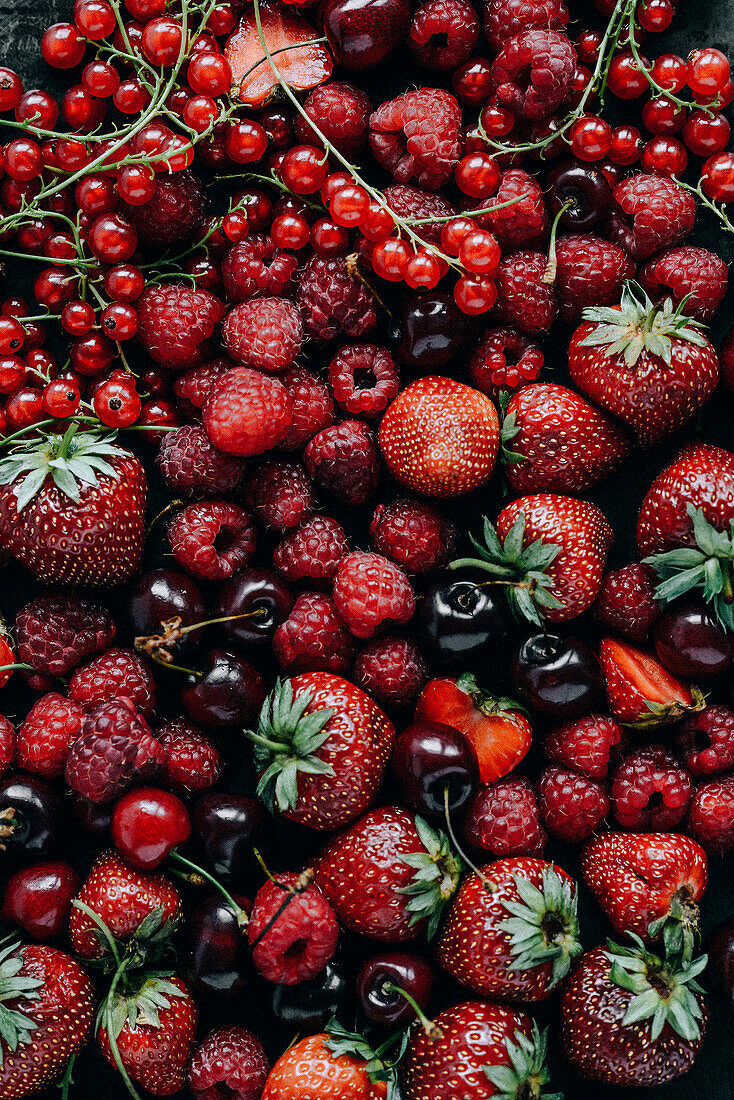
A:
[254, 77]
[640, 691]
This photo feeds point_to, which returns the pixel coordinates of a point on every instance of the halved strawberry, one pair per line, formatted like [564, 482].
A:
[254, 77]
[640, 691]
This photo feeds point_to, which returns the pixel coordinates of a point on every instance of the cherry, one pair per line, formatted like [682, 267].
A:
[162, 595]
[224, 825]
[362, 33]
[430, 760]
[720, 969]
[557, 676]
[228, 692]
[690, 642]
[585, 187]
[215, 955]
[380, 980]
[261, 597]
[94, 817]
[459, 617]
[434, 331]
[147, 824]
[38, 898]
[28, 814]
[310, 1005]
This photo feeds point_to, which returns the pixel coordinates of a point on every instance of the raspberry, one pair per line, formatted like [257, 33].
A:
[586, 746]
[190, 464]
[190, 760]
[392, 670]
[705, 741]
[711, 817]
[687, 271]
[418, 136]
[590, 272]
[626, 601]
[363, 379]
[312, 551]
[571, 805]
[533, 71]
[246, 412]
[294, 945]
[281, 494]
[410, 202]
[47, 734]
[313, 407]
[7, 744]
[503, 19]
[414, 535]
[525, 220]
[343, 460]
[443, 33]
[56, 631]
[229, 1063]
[114, 749]
[504, 819]
[523, 299]
[340, 111]
[114, 674]
[371, 592]
[265, 333]
[255, 267]
[173, 214]
[313, 638]
[504, 360]
[177, 323]
[649, 213]
[333, 302]
[192, 388]
[213, 539]
[650, 790]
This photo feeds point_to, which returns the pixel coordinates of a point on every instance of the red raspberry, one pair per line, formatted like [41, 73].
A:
[333, 302]
[705, 741]
[340, 111]
[504, 819]
[343, 460]
[504, 360]
[687, 271]
[56, 631]
[280, 493]
[371, 592]
[626, 601]
[313, 407]
[265, 333]
[711, 818]
[191, 761]
[213, 539]
[411, 202]
[47, 734]
[443, 33]
[114, 749]
[114, 674]
[7, 744]
[590, 272]
[229, 1063]
[572, 806]
[192, 388]
[418, 136]
[173, 214]
[294, 945]
[392, 670]
[416, 536]
[255, 267]
[190, 464]
[313, 638]
[523, 299]
[503, 19]
[533, 71]
[649, 213]
[525, 220]
[650, 791]
[586, 746]
[312, 551]
[363, 379]
[246, 412]
[177, 323]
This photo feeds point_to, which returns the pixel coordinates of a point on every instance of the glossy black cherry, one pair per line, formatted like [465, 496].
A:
[28, 815]
[379, 999]
[162, 595]
[228, 692]
[560, 677]
[308, 1006]
[585, 187]
[261, 597]
[433, 331]
[690, 642]
[459, 617]
[223, 828]
[430, 758]
[216, 958]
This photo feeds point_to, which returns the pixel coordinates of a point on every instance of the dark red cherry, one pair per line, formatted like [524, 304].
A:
[308, 1006]
[216, 958]
[38, 898]
[583, 185]
[28, 815]
[429, 758]
[557, 676]
[720, 970]
[379, 980]
[162, 595]
[224, 825]
[229, 691]
[458, 617]
[433, 332]
[690, 642]
[261, 598]
[147, 824]
[362, 33]
[94, 817]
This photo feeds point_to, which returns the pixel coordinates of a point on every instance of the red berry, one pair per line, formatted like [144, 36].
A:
[147, 824]
[707, 71]
[62, 46]
[591, 138]
[625, 77]
[717, 177]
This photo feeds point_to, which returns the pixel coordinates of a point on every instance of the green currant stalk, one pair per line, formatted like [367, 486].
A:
[658, 90]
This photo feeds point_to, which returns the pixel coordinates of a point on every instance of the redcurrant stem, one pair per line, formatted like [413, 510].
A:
[432, 1030]
[487, 882]
[707, 202]
[238, 911]
[658, 88]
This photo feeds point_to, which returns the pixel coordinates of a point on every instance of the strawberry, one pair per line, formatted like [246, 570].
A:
[325, 1067]
[301, 68]
[47, 1007]
[72, 509]
[7, 655]
[388, 876]
[497, 729]
[641, 693]
[648, 883]
[632, 1018]
[649, 365]
[512, 930]
[321, 747]
[556, 442]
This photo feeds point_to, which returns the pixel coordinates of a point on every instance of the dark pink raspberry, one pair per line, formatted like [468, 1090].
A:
[711, 819]
[504, 360]
[254, 268]
[312, 551]
[191, 388]
[173, 214]
[47, 733]
[590, 271]
[313, 638]
[190, 464]
[293, 944]
[650, 791]
[411, 202]
[626, 601]
[418, 136]
[114, 749]
[649, 213]
[392, 670]
[504, 819]
[191, 761]
[229, 1065]
[695, 274]
[212, 539]
[363, 379]
[586, 745]
[264, 333]
[340, 111]
[372, 592]
[503, 19]
[334, 302]
[413, 534]
[115, 674]
[7, 744]
[523, 299]
[533, 71]
[443, 33]
[571, 805]
[313, 407]
[705, 741]
[56, 631]
[343, 460]
[281, 493]
[525, 220]
[177, 324]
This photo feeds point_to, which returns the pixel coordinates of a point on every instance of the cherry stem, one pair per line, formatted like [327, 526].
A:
[239, 912]
[17, 668]
[487, 882]
[68, 1079]
[551, 267]
[109, 1027]
[158, 646]
[432, 1030]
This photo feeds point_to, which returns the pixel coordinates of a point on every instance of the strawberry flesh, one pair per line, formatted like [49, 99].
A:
[301, 68]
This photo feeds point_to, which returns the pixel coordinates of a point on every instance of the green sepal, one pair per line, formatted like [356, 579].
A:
[510, 428]
[532, 943]
[15, 1027]
[352, 1043]
[679, 927]
[436, 877]
[527, 1072]
[139, 1006]
[71, 461]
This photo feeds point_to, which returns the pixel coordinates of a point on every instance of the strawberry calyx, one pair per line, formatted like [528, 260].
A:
[527, 1072]
[543, 926]
[436, 878]
[15, 1026]
[492, 705]
[71, 460]
[151, 941]
[377, 1067]
[637, 325]
[679, 926]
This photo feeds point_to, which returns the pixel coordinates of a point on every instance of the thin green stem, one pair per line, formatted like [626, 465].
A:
[238, 911]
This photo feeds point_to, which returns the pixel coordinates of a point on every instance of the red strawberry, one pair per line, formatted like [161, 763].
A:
[323, 1067]
[72, 509]
[47, 1011]
[640, 691]
[388, 876]
[649, 365]
[512, 930]
[631, 1018]
[301, 68]
[497, 729]
[321, 746]
[7, 656]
